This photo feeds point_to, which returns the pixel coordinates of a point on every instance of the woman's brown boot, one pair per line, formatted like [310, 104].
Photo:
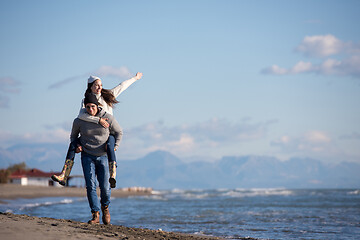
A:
[95, 218]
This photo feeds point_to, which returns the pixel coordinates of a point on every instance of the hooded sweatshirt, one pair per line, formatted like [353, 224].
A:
[93, 136]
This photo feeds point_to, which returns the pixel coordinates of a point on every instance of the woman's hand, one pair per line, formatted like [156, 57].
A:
[138, 75]
[103, 122]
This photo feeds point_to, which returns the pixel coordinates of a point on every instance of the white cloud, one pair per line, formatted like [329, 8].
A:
[346, 64]
[349, 67]
[317, 137]
[320, 46]
[184, 143]
[198, 138]
[329, 66]
[312, 143]
[302, 67]
[319, 145]
[221, 130]
[276, 70]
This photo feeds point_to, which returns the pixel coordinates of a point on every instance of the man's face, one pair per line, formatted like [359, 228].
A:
[91, 109]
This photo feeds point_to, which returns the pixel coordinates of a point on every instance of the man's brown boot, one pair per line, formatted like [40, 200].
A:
[95, 218]
[106, 214]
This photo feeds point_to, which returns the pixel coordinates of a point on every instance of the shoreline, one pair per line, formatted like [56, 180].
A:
[19, 227]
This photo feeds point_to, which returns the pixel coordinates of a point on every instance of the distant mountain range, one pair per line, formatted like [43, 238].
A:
[163, 170]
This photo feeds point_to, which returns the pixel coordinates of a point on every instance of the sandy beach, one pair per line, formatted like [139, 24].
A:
[14, 226]
[13, 191]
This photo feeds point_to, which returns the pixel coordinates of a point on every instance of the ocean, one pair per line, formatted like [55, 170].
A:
[227, 213]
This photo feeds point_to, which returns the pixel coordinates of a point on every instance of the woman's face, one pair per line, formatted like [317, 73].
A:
[96, 87]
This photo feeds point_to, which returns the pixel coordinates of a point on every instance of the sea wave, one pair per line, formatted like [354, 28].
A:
[47, 203]
[195, 194]
[239, 193]
[355, 192]
[26, 204]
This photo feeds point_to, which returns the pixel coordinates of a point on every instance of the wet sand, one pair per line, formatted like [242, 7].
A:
[20, 227]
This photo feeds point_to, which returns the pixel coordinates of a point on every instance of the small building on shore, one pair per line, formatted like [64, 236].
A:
[33, 177]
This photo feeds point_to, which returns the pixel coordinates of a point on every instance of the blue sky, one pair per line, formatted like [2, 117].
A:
[272, 78]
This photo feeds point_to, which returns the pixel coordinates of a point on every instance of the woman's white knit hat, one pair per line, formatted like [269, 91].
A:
[93, 79]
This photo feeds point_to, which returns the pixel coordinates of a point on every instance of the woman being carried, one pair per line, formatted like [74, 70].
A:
[106, 99]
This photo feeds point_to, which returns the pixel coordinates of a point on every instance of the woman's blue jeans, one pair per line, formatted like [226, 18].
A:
[96, 168]
[110, 149]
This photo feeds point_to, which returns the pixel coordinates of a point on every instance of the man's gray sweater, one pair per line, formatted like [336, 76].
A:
[93, 136]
